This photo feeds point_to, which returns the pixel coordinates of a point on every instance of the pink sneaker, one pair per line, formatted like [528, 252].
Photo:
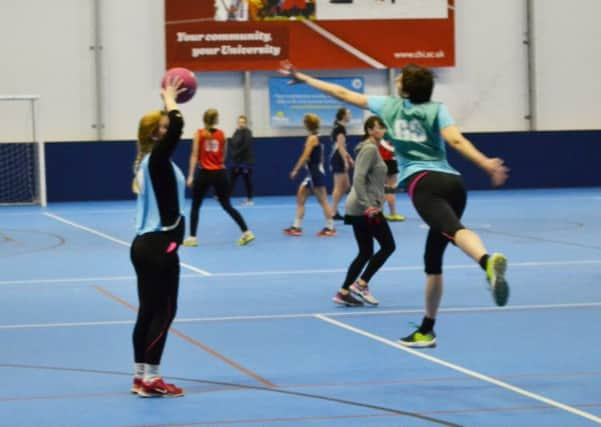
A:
[364, 293]
[158, 388]
[348, 300]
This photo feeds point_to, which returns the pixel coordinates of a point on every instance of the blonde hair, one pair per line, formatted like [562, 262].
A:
[311, 122]
[210, 118]
[147, 129]
[149, 124]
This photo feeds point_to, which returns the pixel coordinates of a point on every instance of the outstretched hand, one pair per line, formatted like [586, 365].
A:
[173, 87]
[497, 171]
[287, 69]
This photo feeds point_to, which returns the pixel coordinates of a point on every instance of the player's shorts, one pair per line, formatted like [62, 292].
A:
[393, 167]
[337, 163]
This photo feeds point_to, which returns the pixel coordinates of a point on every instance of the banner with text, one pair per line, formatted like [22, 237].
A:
[289, 103]
[230, 35]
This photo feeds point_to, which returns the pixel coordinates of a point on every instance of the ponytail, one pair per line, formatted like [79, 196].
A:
[146, 135]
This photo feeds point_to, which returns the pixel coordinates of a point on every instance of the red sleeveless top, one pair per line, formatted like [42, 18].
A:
[211, 147]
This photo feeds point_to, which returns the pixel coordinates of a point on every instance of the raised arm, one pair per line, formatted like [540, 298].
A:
[334, 90]
[494, 167]
[165, 148]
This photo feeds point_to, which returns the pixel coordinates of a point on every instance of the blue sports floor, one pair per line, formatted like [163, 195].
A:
[258, 342]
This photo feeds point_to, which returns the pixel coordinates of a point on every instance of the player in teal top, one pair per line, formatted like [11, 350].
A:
[417, 147]
[418, 129]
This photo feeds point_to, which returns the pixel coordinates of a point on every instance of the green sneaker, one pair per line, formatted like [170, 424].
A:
[246, 238]
[495, 274]
[417, 339]
[190, 242]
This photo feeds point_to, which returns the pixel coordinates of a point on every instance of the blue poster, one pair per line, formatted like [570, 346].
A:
[289, 103]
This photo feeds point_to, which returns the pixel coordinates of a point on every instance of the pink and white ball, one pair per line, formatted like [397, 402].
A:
[189, 83]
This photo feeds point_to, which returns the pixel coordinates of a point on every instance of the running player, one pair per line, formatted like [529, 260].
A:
[418, 129]
[312, 160]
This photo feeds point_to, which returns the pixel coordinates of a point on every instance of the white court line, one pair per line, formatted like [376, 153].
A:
[475, 197]
[113, 239]
[344, 45]
[133, 209]
[357, 313]
[403, 268]
[463, 370]
[292, 272]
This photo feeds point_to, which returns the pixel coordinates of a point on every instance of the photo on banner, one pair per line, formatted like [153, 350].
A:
[250, 35]
[288, 103]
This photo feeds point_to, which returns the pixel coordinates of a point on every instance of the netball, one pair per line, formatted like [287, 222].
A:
[189, 83]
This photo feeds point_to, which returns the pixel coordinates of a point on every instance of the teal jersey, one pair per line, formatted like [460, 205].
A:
[148, 217]
[414, 130]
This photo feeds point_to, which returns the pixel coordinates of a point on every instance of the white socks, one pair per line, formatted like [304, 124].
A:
[139, 370]
[147, 372]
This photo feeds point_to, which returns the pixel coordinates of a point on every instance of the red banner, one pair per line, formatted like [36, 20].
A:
[230, 35]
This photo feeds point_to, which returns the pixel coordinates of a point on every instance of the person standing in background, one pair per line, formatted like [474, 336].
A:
[209, 148]
[243, 156]
[387, 153]
[340, 160]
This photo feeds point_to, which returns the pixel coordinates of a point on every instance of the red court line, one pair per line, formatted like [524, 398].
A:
[192, 341]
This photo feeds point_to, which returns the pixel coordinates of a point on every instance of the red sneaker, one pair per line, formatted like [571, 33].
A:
[136, 386]
[327, 232]
[158, 388]
[293, 231]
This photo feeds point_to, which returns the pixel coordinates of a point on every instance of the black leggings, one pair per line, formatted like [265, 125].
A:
[246, 173]
[439, 199]
[203, 179]
[154, 257]
[366, 230]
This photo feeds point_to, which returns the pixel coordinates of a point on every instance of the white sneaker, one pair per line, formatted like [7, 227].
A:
[190, 241]
[364, 293]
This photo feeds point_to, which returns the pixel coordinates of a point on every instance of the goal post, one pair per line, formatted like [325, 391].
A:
[22, 155]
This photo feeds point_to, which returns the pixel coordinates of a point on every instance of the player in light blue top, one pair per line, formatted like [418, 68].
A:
[418, 128]
[159, 185]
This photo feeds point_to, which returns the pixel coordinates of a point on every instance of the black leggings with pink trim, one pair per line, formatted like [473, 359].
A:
[439, 199]
[154, 257]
